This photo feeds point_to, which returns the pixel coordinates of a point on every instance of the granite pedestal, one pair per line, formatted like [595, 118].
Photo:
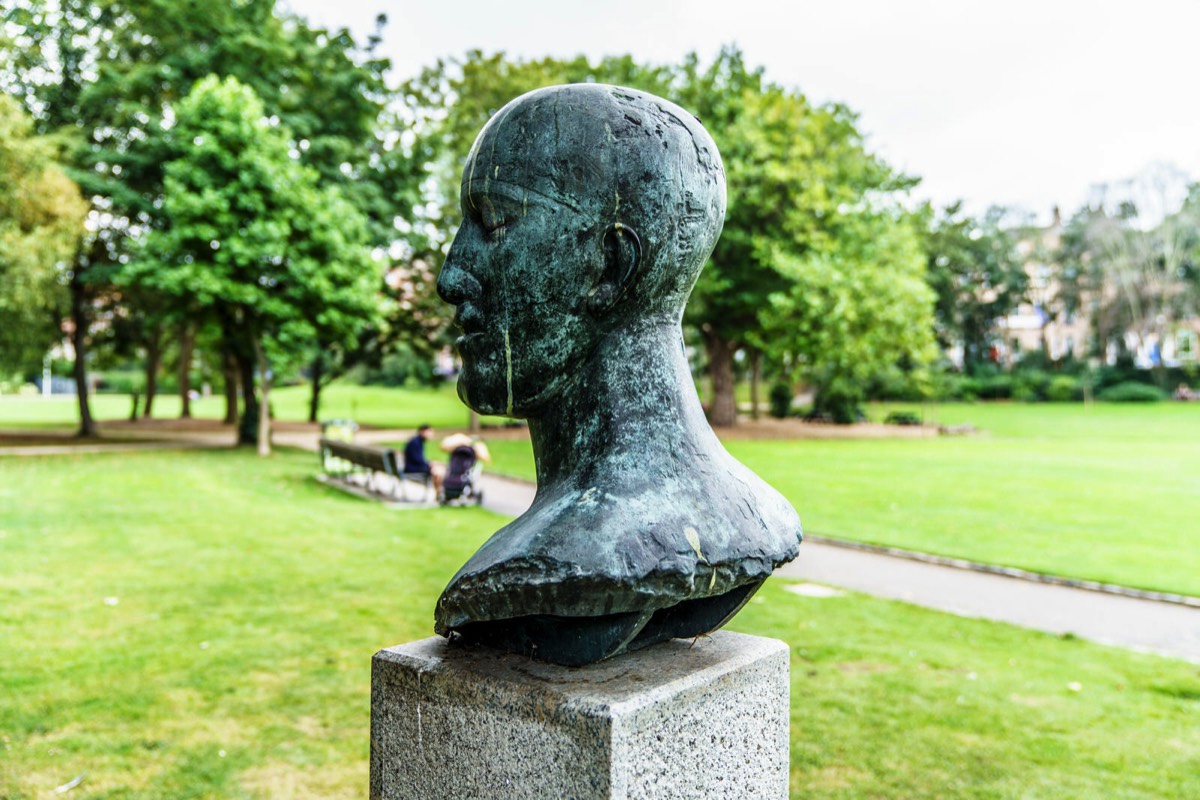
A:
[677, 720]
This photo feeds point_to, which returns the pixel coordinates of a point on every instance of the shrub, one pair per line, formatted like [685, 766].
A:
[840, 408]
[966, 388]
[907, 418]
[780, 399]
[1064, 389]
[996, 387]
[1132, 392]
[955, 386]
[401, 367]
[1030, 386]
[893, 383]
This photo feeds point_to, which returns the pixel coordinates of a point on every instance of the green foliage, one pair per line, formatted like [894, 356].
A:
[780, 399]
[112, 73]
[1064, 389]
[401, 367]
[853, 312]
[41, 224]
[216, 642]
[1030, 386]
[977, 274]
[817, 266]
[1132, 392]
[903, 418]
[995, 387]
[249, 234]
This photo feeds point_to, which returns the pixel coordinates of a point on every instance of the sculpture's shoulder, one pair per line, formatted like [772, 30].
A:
[621, 523]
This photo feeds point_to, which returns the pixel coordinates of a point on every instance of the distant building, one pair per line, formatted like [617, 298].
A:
[1040, 323]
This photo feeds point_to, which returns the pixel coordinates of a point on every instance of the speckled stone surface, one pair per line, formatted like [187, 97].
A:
[674, 721]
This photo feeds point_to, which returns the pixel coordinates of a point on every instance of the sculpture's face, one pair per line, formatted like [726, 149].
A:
[519, 271]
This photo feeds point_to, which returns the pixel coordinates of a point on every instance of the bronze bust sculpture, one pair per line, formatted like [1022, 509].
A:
[588, 212]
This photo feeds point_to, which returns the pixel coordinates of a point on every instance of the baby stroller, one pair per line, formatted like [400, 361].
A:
[461, 483]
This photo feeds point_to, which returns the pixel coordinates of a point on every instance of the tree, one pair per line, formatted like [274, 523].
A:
[41, 224]
[977, 274]
[251, 238]
[853, 311]
[1130, 256]
[109, 69]
[806, 200]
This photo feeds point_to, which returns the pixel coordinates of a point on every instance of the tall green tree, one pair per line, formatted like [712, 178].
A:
[110, 70]
[41, 225]
[807, 200]
[853, 311]
[976, 271]
[251, 237]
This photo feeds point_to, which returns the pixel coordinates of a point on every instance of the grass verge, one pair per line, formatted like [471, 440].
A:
[199, 624]
[1108, 493]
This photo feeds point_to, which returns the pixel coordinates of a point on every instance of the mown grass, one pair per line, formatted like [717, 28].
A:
[1111, 494]
[369, 405]
[1105, 492]
[1108, 493]
[199, 624]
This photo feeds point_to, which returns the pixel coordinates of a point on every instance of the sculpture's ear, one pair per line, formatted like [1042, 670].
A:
[622, 258]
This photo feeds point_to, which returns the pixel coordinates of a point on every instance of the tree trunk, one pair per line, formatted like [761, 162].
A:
[755, 381]
[187, 342]
[231, 388]
[248, 423]
[79, 321]
[314, 399]
[473, 421]
[264, 407]
[153, 361]
[722, 412]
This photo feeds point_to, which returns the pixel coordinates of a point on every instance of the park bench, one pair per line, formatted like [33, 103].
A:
[379, 469]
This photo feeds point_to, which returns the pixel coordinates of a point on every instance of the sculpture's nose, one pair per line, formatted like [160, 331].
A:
[456, 285]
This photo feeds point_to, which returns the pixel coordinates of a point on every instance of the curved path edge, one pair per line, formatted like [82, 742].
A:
[1007, 572]
[1152, 622]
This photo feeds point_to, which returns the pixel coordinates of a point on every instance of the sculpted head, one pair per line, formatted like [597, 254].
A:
[586, 210]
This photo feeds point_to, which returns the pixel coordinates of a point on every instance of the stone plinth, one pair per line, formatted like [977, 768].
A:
[676, 720]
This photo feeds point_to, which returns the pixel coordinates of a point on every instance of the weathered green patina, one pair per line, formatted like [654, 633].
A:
[588, 212]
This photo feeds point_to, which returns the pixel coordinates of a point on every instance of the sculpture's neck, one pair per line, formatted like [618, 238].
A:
[633, 404]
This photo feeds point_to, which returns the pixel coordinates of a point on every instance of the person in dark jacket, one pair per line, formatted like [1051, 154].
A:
[415, 462]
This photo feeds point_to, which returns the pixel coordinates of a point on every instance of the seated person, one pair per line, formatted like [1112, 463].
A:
[415, 462]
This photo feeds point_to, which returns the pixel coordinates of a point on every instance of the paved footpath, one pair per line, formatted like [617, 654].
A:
[1149, 625]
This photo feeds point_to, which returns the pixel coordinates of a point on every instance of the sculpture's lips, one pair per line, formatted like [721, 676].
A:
[468, 320]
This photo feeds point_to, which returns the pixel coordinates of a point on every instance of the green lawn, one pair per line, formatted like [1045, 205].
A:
[370, 405]
[201, 625]
[1110, 493]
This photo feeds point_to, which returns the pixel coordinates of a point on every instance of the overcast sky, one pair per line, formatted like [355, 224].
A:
[1013, 102]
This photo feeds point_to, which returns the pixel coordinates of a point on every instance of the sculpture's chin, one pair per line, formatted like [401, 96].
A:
[483, 387]
[478, 396]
